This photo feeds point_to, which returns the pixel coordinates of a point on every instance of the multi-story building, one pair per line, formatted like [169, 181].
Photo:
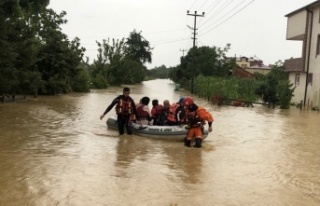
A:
[303, 25]
[252, 65]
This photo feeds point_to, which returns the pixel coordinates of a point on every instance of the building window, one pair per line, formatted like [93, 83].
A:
[318, 45]
[297, 80]
[310, 78]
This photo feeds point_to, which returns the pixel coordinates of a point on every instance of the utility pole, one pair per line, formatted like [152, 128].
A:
[194, 45]
[183, 50]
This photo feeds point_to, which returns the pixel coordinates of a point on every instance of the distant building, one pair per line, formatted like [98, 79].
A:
[245, 62]
[259, 69]
[304, 72]
[252, 65]
[241, 73]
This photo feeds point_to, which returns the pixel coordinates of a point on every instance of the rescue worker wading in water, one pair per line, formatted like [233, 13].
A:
[196, 117]
[125, 107]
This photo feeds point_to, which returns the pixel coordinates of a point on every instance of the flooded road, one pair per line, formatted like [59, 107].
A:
[56, 151]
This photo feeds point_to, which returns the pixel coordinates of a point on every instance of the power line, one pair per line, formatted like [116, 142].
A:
[227, 18]
[120, 35]
[211, 6]
[220, 9]
[228, 12]
[202, 4]
[193, 4]
[171, 41]
[214, 6]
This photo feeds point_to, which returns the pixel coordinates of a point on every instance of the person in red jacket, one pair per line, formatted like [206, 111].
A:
[156, 111]
[196, 118]
[143, 111]
[162, 118]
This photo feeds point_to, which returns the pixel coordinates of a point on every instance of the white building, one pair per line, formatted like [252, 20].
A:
[304, 25]
[252, 65]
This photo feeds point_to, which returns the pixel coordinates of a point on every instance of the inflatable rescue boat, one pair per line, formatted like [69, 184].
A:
[159, 132]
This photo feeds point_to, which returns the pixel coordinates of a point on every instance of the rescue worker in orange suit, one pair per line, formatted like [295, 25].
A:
[125, 107]
[196, 117]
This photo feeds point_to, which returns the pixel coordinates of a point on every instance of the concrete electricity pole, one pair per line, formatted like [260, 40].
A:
[183, 50]
[194, 46]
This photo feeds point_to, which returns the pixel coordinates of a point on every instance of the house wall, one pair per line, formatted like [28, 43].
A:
[314, 62]
[296, 29]
[296, 25]
[257, 70]
[243, 63]
[299, 88]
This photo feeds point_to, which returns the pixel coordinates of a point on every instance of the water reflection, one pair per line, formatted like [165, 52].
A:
[130, 148]
[185, 162]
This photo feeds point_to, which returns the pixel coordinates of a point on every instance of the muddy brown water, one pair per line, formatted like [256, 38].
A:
[56, 151]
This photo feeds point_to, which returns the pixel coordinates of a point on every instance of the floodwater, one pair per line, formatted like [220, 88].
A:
[56, 151]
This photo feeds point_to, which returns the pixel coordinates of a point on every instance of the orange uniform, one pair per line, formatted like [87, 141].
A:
[196, 120]
[196, 117]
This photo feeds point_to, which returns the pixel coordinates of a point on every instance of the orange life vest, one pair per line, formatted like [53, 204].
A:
[172, 117]
[124, 107]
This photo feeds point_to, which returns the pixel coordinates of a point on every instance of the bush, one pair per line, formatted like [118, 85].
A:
[100, 82]
[81, 83]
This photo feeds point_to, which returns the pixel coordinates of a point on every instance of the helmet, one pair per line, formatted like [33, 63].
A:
[181, 100]
[187, 102]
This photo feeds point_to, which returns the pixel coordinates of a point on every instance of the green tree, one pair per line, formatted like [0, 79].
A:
[275, 88]
[34, 52]
[208, 61]
[58, 58]
[81, 82]
[99, 70]
[161, 72]
[121, 61]
[138, 48]
[19, 43]
[285, 91]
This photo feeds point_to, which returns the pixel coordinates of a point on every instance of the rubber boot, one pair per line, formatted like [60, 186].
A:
[198, 143]
[187, 142]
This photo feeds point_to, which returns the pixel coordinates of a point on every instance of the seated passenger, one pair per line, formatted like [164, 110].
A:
[156, 111]
[162, 118]
[133, 117]
[177, 113]
[143, 111]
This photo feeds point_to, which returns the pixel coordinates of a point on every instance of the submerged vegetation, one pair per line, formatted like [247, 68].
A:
[214, 79]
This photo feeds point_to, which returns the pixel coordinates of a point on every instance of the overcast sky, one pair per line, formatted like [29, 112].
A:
[252, 27]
